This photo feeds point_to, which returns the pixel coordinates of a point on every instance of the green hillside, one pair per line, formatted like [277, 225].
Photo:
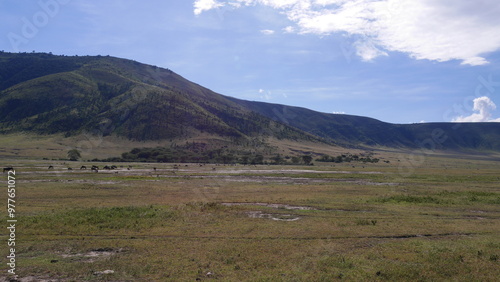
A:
[348, 130]
[116, 96]
[47, 94]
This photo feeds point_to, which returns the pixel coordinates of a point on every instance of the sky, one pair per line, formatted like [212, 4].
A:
[399, 61]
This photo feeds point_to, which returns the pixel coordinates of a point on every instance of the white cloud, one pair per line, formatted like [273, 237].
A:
[483, 106]
[289, 29]
[205, 5]
[437, 30]
[267, 32]
[367, 50]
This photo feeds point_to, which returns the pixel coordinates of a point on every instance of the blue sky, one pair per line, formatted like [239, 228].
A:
[400, 61]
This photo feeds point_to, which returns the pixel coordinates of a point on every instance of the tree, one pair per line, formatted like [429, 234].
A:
[277, 159]
[307, 159]
[245, 160]
[259, 159]
[74, 155]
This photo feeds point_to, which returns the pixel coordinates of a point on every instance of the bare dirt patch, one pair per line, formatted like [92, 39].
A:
[93, 255]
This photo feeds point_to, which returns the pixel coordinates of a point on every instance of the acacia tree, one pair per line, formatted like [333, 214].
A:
[74, 155]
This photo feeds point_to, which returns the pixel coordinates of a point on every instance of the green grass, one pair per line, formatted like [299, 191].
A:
[446, 198]
[161, 227]
[88, 221]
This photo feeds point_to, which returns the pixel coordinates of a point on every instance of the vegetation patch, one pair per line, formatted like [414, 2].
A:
[364, 158]
[412, 199]
[446, 197]
[93, 219]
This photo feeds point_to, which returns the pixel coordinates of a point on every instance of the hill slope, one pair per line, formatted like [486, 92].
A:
[49, 94]
[351, 130]
[116, 96]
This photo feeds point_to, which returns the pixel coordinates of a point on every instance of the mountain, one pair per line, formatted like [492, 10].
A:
[348, 130]
[48, 94]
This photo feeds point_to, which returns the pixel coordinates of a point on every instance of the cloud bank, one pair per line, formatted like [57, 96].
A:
[205, 5]
[483, 106]
[437, 30]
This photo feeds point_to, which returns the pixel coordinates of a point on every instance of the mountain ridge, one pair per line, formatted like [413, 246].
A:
[49, 94]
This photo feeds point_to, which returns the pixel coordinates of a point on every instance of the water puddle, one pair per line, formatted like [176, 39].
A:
[274, 206]
[93, 255]
[273, 216]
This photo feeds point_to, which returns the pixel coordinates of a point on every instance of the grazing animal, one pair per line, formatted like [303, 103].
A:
[114, 167]
[154, 168]
[95, 168]
[83, 167]
[106, 167]
[51, 167]
[9, 168]
[69, 168]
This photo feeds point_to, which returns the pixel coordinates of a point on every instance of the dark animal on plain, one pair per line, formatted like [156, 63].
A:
[83, 167]
[114, 167]
[154, 168]
[106, 167]
[51, 167]
[69, 168]
[95, 168]
[9, 168]
[128, 168]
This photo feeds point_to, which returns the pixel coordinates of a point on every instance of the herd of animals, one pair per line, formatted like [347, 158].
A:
[93, 168]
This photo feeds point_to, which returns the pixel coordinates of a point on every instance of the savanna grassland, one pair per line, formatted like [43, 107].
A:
[436, 220]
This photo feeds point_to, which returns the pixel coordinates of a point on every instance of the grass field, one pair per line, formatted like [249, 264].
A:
[355, 222]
